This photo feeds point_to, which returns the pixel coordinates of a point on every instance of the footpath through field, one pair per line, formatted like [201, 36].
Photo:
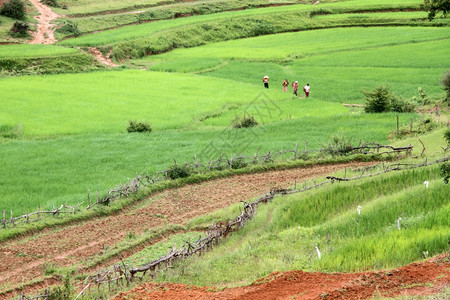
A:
[29, 258]
[44, 33]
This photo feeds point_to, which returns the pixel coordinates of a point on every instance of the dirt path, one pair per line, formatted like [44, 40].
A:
[44, 33]
[101, 58]
[422, 279]
[28, 258]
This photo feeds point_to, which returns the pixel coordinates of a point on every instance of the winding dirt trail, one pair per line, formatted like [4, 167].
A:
[44, 33]
[28, 258]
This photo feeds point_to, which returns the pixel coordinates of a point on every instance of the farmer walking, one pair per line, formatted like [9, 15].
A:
[285, 85]
[306, 89]
[295, 87]
[266, 81]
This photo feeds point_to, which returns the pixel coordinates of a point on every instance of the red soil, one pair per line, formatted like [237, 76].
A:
[423, 278]
[26, 258]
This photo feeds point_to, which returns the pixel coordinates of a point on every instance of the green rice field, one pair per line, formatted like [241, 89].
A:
[76, 123]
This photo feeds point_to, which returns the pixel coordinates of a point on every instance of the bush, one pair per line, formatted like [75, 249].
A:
[378, 100]
[11, 132]
[238, 163]
[135, 126]
[19, 30]
[69, 29]
[338, 145]
[381, 100]
[13, 9]
[179, 172]
[244, 122]
[401, 105]
[447, 135]
[52, 3]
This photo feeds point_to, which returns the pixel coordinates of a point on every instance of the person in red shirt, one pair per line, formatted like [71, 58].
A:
[295, 87]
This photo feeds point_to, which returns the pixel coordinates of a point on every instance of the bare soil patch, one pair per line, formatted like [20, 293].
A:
[424, 278]
[26, 258]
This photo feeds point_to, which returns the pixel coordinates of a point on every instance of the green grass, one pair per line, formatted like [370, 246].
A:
[26, 51]
[288, 46]
[76, 123]
[302, 11]
[70, 166]
[283, 234]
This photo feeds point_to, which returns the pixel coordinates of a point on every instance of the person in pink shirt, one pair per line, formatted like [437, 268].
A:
[285, 85]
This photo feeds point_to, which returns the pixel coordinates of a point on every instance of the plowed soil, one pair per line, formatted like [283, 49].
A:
[27, 258]
[416, 279]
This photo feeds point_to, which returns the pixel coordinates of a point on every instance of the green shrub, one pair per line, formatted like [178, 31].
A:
[19, 30]
[339, 144]
[378, 100]
[238, 163]
[244, 122]
[381, 100]
[135, 126]
[401, 105]
[64, 292]
[69, 29]
[179, 172]
[11, 132]
[13, 9]
[447, 135]
[52, 3]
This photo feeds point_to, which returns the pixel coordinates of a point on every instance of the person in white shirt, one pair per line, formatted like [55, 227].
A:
[306, 89]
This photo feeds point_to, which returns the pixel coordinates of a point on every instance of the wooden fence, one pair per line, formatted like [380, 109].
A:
[235, 161]
[122, 274]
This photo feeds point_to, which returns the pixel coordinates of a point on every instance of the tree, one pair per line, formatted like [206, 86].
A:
[433, 7]
[13, 9]
[378, 100]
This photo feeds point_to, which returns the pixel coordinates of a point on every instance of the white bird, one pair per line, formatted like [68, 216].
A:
[426, 183]
[298, 227]
[359, 209]
[398, 222]
[318, 252]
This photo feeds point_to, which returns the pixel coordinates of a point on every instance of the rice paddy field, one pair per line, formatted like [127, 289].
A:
[188, 69]
[190, 95]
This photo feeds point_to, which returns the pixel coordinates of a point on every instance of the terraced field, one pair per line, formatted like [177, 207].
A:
[190, 69]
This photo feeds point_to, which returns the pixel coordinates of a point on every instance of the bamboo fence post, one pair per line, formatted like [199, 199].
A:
[306, 149]
[196, 163]
[39, 212]
[4, 219]
[411, 126]
[295, 153]
[397, 126]
[12, 220]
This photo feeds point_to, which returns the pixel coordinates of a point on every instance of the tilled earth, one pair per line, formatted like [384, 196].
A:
[417, 279]
[25, 259]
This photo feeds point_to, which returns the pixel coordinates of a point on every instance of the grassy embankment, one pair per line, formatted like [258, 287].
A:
[97, 154]
[103, 15]
[43, 59]
[166, 35]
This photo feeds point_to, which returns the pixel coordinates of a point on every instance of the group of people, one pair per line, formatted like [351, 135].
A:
[285, 84]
